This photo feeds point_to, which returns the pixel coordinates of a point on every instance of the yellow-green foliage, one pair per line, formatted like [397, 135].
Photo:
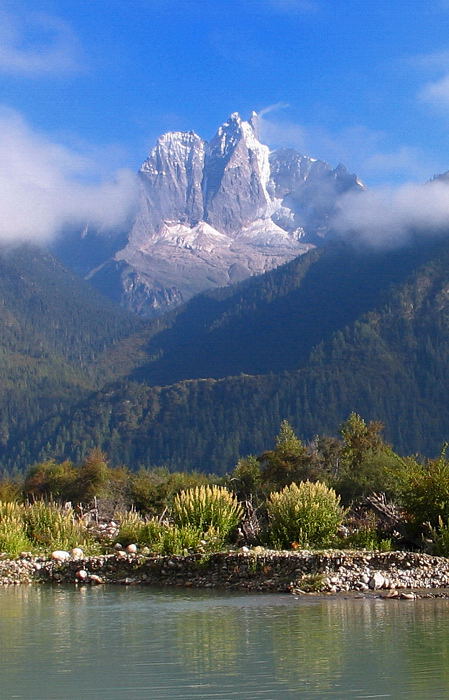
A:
[440, 538]
[165, 538]
[308, 514]
[133, 527]
[51, 526]
[41, 527]
[182, 539]
[13, 538]
[204, 507]
[10, 490]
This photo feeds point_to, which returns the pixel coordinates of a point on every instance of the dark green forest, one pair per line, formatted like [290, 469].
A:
[339, 329]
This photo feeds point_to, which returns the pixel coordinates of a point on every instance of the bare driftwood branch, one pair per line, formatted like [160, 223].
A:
[389, 513]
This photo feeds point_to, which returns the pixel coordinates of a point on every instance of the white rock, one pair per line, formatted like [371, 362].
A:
[131, 548]
[77, 553]
[81, 575]
[60, 555]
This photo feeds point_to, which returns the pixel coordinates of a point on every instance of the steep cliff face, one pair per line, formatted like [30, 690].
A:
[214, 213]
[236, 175]
[171, 184]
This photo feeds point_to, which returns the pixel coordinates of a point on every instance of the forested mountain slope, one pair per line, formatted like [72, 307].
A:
[54, 333]
[385, 355]
[272, 322]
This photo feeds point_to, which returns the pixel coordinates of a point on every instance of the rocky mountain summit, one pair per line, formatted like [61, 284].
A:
[212, 214]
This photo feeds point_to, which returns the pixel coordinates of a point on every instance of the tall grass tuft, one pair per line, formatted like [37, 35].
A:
[440, 537]
[165, 538]
[13, 537]
[51, 526]
[205, 507]
[41, 527]
[132, 526]
[307, 514]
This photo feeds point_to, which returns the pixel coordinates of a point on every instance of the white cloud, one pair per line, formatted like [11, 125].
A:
[361, 149]
[389, 216]
[35, 44]
[383, 216]
[437, 92]
[45, 186]
[282, 134]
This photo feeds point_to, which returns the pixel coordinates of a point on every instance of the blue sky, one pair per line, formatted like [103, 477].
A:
[88, 85]
[365, 82]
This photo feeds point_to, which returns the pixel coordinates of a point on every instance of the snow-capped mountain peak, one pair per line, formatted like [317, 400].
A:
[214, 213]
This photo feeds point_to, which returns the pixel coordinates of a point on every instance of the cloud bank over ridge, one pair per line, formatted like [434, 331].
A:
[386, 215]
[46, 186]
[390, 216]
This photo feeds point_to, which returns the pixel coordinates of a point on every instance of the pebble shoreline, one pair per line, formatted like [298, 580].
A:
[332, 572]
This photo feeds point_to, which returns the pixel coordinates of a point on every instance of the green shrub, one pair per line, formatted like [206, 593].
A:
[311, 583]
[152, 490]
[174, 539]
[425, 492]
[308, 514]
[246, 477]
[51, 479]
[205, 507]
[10, 490]
[367, 538]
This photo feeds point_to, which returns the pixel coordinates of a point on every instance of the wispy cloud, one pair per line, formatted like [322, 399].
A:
[381, 216]
[46, 186]
[437, 92]
[361, 149]
[389, 216]
[33, 44]
[273, 108]
[435, 65]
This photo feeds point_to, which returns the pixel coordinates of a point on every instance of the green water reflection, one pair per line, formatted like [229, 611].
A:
[120, 643]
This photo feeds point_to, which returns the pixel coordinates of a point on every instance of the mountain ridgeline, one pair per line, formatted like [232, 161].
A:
[335, 330]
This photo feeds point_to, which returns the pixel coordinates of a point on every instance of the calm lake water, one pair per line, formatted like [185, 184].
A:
[126, 643]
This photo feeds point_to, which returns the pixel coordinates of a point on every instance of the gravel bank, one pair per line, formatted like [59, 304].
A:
[256, 570]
